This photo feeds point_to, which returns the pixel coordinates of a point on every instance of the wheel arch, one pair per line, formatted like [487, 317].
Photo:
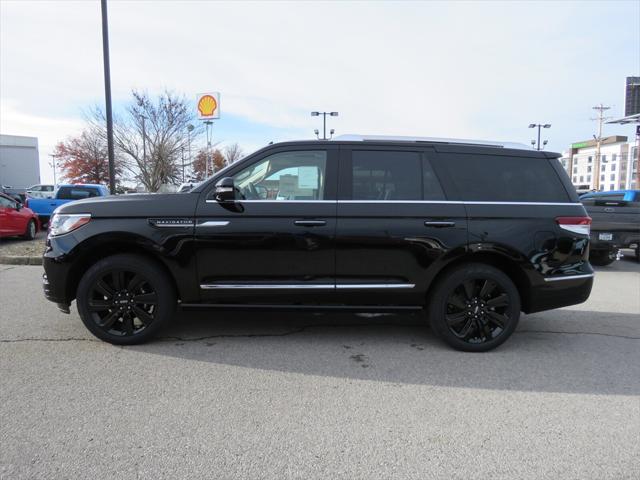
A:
[97, 248]
[513, 266]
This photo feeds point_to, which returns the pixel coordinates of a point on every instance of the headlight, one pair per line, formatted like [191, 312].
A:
[61, 223]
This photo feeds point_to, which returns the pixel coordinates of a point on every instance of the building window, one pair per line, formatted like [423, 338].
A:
[612, 187]
[613, 177]
[602, 178]
[581, 178]
[590, 159]
[575, 169]
[604, 158]
[603, 167]
[589, 169]
[613, 167]
[614, 157]
[575, 179]
[575, 160]
[589, 178]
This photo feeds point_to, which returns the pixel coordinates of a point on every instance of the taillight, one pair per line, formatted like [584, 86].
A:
[581, 225]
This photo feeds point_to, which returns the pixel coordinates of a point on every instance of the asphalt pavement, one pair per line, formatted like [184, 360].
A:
[273, 395]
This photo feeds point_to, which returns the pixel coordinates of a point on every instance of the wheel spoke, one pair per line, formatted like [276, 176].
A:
[456, 318]
[501, 300]
[104, 289]
[469, 289]
[109, 320]
[146, 298]
[143, 316]
[127, 323]
[99, 305]
[457, 302]
[498, 319]
[487, 287]
[135, 282]
[118, 279]
[466, 330]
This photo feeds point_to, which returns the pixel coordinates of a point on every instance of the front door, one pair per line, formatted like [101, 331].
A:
[394, 223]
[275, 242]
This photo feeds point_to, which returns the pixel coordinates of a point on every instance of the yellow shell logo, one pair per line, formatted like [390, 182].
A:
[207, 105]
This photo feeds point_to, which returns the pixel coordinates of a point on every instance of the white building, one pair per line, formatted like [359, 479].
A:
[19, 163]
[618, 164]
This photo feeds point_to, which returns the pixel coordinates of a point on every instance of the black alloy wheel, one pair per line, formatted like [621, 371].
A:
[477, 311]
[125, 299]
[475, 307]
[122, 302]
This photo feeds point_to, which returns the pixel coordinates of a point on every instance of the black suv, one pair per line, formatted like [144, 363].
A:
[470, 233]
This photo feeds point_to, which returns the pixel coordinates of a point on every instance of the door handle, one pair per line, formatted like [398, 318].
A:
[439, 224]
[309, 223]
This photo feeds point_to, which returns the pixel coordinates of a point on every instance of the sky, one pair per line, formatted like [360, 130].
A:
[482, 70]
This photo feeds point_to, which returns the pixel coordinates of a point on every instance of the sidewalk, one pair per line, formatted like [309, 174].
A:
[17, 251]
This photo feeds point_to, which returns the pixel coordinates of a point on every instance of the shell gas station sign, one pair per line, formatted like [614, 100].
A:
[208, 105]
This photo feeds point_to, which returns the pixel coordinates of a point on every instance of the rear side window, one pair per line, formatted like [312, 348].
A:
[388, 175]
[76, 193]
[504, 179]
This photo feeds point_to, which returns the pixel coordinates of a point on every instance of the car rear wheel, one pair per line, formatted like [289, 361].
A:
[474, 308]
[30, 233]
[125, 299]
[602, 258]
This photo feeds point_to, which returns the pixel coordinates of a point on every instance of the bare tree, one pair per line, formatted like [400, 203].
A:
[151, 135]
[233, 153]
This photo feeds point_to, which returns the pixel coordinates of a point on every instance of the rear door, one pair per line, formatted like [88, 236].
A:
[394, 223]
[276, 242]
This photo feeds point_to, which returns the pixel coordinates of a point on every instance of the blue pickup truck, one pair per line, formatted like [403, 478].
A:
[44, 207]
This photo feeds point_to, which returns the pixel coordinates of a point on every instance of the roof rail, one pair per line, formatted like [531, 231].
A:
[450, 141]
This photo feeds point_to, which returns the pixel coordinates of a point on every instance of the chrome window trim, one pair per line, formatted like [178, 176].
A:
[569, 277]
[341, 286]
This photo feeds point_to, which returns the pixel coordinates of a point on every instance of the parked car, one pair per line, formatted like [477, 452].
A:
[41, 191]
[470, 234]
[19, 194]
[16, 219]
[616, 223]
[44, 207]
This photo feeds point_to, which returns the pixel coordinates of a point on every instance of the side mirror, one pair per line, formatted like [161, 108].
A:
[18, 206]
[225, 190]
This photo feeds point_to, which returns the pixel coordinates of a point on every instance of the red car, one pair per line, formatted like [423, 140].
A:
[17, 220]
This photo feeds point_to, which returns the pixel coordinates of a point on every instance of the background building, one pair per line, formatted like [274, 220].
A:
[618, 164]
[19, 163]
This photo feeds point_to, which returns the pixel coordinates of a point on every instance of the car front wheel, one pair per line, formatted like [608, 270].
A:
[474, 308]
[30, 233]
[125, 299]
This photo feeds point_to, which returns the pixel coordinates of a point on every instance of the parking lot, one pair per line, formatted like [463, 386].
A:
[273, 395]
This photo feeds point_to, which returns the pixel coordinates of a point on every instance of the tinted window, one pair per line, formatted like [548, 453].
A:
[6, 203]
[379, 175]
[284, 176]
[504, 179]
[431, 188]
[76, 193]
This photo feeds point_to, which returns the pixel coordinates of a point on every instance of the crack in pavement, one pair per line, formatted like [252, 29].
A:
[294, 332]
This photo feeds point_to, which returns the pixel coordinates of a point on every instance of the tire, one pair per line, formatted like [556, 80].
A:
[30, 232]
[602, 258]
[474, 308]
[125, 299]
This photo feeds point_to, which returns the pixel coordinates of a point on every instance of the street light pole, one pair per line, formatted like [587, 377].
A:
[601, 118]
[53, 164]
[539, 126]
[107, 97]
[324, 121]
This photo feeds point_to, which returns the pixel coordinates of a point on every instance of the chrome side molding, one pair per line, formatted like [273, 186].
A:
[569, 277]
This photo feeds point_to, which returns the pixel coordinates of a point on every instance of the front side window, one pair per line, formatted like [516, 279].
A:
[284, 176]
[6, 203]
[385, 175]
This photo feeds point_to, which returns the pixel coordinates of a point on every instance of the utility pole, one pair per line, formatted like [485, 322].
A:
[600, 119]
[208, 124]
[107, 97]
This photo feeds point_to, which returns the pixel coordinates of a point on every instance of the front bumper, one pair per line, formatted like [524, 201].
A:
[53, 296]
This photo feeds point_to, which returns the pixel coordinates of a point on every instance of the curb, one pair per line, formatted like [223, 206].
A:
[16, 260]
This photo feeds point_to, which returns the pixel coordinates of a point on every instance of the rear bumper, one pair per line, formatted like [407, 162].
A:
[560, 291]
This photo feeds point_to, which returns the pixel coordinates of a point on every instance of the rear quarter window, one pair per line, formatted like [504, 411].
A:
[77, 193]
[497, 178]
